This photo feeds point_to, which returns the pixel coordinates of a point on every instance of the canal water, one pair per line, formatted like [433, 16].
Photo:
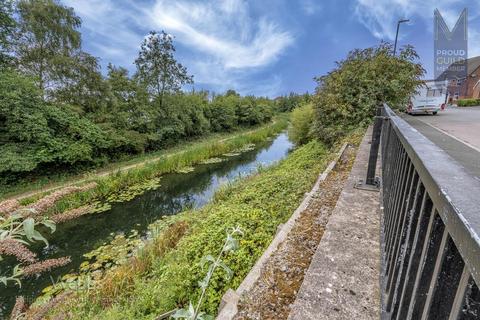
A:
[176, 193]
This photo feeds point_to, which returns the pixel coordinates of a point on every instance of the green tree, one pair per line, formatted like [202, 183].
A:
[347, 97]
[221, 112]
[81, 84]
[130, 120]
[34, 132]
[48, 38]
[157, 67]
[7, 30]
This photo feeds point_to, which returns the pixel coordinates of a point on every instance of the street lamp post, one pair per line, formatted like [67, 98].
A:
[396, 37]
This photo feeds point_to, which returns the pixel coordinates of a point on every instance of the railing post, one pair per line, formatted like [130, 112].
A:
[372, 161]
[371, 183]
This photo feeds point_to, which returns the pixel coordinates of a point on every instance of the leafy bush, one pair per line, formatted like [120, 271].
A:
[348, 96]
[468, 102]
[34, 133]
[300, 131]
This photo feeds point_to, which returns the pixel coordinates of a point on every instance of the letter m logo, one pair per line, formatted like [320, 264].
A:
[460, 29]
[450, 47]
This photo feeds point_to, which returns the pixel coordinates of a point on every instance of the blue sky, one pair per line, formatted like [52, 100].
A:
[263, 47]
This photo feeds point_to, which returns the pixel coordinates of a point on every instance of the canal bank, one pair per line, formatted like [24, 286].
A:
[165, 274]
[177, 192]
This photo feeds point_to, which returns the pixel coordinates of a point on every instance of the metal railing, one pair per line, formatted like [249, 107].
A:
[431, 229]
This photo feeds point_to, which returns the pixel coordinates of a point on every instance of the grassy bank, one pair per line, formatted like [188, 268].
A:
[57, 180]
[164, 275]
[124, 185]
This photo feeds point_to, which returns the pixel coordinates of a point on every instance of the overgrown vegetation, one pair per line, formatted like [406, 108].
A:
[164, 274]
[348, 96]
[468, 102]
[214, 263]
[300, 131]
[123, 186]
[58, 113]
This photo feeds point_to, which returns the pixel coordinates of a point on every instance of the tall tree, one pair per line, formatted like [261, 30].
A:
[7, 27]
[49, 37]
[132, 108]
[157, 67]
[80, 83]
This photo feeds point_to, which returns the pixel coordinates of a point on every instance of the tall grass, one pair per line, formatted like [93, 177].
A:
[113, 185]
[55, 179]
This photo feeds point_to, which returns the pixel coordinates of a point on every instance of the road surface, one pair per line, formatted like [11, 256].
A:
[455, 130]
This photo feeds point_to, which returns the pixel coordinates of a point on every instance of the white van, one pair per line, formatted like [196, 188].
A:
[429, 98]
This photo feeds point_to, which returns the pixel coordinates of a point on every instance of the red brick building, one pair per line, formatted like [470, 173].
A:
[469, 87]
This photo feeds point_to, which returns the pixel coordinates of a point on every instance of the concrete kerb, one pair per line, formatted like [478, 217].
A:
[228, 306]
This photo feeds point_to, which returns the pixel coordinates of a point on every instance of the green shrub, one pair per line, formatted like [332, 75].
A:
[300, 131]
[34, 133]
[348, 97]
[468, 102]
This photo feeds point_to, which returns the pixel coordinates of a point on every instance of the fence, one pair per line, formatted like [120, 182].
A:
[431, 229]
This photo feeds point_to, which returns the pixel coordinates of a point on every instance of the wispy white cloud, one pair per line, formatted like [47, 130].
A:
[310, 7]
[110, 27]
[226, 31]
[380, 16]
[226, 43]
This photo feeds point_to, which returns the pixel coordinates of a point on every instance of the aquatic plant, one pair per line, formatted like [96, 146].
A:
[185, 170]
[125, 185]
[211, 160]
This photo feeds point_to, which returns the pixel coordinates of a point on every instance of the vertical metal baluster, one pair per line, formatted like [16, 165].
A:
[397, 231]
[396, 156]
[459, 300]
[390, 179]
[413, 211]
[436, 273]
[422, 232]
[435, 238]
[394, 183]
[395, 220]
[401, 238]
[443, 289]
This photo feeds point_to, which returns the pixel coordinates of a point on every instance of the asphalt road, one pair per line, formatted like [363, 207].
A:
[455, 130]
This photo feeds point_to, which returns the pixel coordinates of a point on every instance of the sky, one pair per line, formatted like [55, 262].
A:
[264, 47]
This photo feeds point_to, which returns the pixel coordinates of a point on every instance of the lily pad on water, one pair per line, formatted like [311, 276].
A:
[132, 191]
[185, 170]
[212, 160]
[245, 148]
[231, 154]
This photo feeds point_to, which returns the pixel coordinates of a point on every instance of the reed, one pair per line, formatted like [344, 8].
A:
[122, 182]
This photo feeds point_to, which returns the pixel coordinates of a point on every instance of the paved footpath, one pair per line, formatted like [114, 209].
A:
[342, 281]
[455, 130]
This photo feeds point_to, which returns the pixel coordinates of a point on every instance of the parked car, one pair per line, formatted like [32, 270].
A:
[429, 99]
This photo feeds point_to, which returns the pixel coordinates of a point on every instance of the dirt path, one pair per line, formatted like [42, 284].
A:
[282, 275]
[88, 177]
